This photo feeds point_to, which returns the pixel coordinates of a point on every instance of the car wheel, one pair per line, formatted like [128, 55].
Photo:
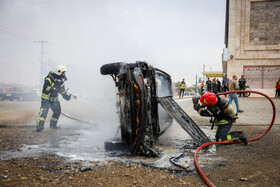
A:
[112, 68]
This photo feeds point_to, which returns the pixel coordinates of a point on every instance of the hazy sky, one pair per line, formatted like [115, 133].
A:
[176, 36]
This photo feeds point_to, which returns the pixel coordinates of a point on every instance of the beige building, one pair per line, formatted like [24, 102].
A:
[252, 40]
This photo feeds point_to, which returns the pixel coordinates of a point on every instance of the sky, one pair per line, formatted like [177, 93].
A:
[176, 36]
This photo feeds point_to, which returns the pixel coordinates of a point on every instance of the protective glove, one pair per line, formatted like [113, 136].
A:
[195, 99]
[197, 106]
[66, 97]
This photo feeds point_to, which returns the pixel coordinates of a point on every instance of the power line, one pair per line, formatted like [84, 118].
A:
[13, 33]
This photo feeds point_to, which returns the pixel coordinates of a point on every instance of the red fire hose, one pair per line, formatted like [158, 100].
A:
[202, 174]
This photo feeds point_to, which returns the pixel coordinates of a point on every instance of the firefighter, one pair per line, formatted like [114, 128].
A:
[224, 116]
[53, 85]
[182, 88]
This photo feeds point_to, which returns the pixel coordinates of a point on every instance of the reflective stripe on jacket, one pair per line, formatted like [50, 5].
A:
[221, 122]
[53, 86]
[182, 85]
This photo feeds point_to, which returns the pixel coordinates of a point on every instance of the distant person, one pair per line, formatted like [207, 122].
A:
[219, 85]
[277, 93]
[232, 84]
[214, 86]
[224, 84]
[208, 84]
[242, 85]
[182, 88]
[202, 87]
[53, 85]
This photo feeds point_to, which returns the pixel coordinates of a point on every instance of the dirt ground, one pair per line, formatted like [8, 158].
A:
[254, 165]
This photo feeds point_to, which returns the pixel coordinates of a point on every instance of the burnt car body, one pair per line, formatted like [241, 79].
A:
[141, 88]
[139, 117]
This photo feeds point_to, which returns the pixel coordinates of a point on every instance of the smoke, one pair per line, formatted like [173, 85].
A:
[90, 33]
[99, 94]
[84, 35]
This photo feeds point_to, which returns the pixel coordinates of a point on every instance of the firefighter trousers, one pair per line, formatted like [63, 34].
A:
[45, 105]
[223, 134]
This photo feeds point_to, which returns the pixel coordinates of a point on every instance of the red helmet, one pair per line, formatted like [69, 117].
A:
[209, 99]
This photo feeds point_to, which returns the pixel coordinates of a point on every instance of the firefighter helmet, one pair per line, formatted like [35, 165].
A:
[209, 99]
[60, 69]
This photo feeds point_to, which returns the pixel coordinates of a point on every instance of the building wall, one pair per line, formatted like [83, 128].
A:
[254, 41]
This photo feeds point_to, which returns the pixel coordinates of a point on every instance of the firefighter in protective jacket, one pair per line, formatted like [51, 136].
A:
[224, 116]
[53, 85]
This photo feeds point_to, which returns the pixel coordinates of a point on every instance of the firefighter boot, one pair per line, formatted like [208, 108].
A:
[53, 123]
[54, 127]
[243, 137]
[39, 128]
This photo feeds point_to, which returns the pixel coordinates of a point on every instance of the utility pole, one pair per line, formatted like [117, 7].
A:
[43, 66]
[19, 77]
[203, 71]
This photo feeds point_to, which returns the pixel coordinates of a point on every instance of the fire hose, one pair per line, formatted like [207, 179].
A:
[78, 120]
[202, 174]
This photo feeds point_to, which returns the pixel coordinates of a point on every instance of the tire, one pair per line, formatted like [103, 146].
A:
[247, 94]
[112, 68]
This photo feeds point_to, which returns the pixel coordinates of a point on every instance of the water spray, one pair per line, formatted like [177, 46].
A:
[83, 100]
[75, 97]
[79, 98]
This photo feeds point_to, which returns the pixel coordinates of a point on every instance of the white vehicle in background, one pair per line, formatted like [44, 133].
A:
[190, 94]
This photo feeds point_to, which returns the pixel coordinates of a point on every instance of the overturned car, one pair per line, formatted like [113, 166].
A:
[141, 87]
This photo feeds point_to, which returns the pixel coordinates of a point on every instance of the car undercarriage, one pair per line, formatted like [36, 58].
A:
[141, 88]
